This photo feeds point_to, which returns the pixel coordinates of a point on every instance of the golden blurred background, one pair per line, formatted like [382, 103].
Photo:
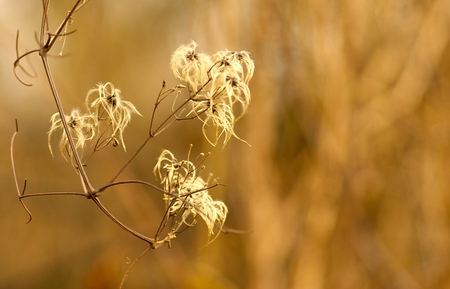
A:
[347, 180]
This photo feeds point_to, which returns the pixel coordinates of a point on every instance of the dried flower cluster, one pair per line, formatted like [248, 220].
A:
[218, 87]
[110, 107]
[82, 127]
[106, 108]
[187, 193]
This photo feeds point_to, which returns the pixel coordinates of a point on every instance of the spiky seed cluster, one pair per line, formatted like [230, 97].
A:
[218, 87]
[110, 107]
[190, 66]
[187, 193]
[82, 127]
[107, 107]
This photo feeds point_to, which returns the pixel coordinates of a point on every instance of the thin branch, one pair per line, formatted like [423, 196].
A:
[138, 150]
[102, 189]
[162, 95]
[17, 62]
[46, 194]
[130, 182]
[43, 49]
[19, 193]
[132, 265]
[164, 220]
[59, 106]
[44, 26]
[146, 239]
[192, 97]
[159, 129]
[62, 34]
[54, 36]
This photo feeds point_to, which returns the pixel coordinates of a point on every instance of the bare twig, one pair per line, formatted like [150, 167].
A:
[57, 99]
[132, 265]
[20, 193]
[17, 62]
[46, 194]
[146, 239]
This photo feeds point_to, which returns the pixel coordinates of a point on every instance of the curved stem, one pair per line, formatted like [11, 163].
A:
[16, 62]
[121, 225]
[130, 182]
[19, 193]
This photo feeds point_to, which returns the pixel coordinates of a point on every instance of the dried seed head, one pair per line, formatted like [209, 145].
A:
[234, 64]
[187, 193]
[223, 95]
[218, 114]
[109, 106]
[190, 66]
[82, 128]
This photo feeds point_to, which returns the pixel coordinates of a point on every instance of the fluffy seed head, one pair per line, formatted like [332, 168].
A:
[109, 106]
[187, 193]
[223, 95]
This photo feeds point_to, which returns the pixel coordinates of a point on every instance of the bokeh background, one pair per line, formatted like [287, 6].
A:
[347, 180]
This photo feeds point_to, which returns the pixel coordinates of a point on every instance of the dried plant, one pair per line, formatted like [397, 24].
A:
[118, 111]
[217, 94]
[218, 85]
[188, 192]
[82, 127]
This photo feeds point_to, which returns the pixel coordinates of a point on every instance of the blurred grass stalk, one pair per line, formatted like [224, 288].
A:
[350, 163]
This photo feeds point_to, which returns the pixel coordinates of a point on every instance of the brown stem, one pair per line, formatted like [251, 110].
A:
[120, 224]
[19, 193]
[131, 182]
[43, 50]
[59, 106]
[130, 159]
[53, 194]
[132, 265]
[51, 40]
